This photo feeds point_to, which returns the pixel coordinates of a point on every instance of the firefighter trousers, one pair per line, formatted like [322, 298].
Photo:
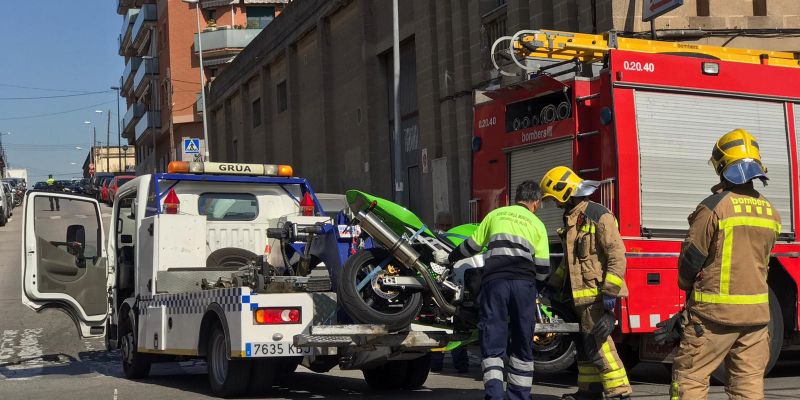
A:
[600, 369]
[507, 306]
[705, 345]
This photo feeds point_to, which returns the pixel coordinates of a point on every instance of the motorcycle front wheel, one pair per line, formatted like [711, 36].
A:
[365, 301]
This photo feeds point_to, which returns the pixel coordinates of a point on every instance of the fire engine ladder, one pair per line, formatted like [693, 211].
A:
[585, 48]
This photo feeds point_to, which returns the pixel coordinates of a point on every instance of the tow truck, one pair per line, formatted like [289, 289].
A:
[233, 263]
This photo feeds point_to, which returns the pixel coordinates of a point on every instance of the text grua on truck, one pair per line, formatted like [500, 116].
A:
[231, 262]
[642, 117]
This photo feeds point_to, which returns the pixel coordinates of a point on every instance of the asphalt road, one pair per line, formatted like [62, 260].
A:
[42, 357]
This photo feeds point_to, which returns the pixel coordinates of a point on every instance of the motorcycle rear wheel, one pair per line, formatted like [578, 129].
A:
[371, 305]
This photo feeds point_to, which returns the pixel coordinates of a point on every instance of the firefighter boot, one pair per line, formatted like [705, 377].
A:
[582, 395]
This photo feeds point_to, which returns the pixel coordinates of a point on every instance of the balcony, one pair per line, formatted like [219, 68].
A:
[125, 33]
[144, 75]
[224, 43]
[123, 6]
[130, 71]
[216, 3]
[148, 15]
[134, 114]
[150, 120]
[198, 104]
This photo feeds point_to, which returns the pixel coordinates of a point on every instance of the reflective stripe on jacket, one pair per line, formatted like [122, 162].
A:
[594, 254]
[516, 242]
[725, 258]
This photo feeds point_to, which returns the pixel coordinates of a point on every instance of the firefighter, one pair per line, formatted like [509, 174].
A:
[517, 257]
[727, 308]
[591, 274]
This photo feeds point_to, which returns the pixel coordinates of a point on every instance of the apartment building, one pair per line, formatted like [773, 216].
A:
[315, 89]
[160, 44]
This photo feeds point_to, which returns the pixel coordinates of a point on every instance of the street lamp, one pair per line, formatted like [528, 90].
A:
[119, 126]
[202, 76]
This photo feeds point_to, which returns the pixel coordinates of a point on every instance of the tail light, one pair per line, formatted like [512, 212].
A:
[277, 316]
[307, 206]
[171, 203]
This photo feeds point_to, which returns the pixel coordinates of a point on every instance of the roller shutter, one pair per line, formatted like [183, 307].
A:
[676, 135]
[533, 163]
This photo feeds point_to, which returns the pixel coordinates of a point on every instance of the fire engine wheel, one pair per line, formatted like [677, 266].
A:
[230, 257]
[371, 304]
[227, 377]
[135, 365]
[775, 328]
[394, 375]
[554, 353]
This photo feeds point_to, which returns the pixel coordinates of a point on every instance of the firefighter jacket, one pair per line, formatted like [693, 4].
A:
[594, 254]
[725, 258]
[516, 243]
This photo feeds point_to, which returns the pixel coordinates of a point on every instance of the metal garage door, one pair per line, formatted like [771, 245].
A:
[676, 135]
[533, 163]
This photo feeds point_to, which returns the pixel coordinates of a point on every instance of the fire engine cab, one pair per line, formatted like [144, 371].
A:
[233, 263]
[642, 116]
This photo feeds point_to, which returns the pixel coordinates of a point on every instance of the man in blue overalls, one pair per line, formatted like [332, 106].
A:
[517, 257]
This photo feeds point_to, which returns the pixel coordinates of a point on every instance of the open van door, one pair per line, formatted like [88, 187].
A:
[63, 265]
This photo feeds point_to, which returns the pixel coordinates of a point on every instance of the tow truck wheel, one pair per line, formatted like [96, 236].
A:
[775, 328]
[263, 376]
[389, 376]
[417, 374]
[135, 365]
[227, 377]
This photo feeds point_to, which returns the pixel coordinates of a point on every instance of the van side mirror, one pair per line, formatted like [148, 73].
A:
[76, 240]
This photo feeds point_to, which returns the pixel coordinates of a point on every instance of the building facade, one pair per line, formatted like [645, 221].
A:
[315, 89]
[161, 78]
[110, 159]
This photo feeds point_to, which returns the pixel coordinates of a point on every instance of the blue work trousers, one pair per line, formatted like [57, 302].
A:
[507, 305]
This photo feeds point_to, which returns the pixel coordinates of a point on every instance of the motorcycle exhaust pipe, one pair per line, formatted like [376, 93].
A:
[404, 253]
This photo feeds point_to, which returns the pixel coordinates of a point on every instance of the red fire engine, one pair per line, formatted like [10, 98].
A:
[642, 116]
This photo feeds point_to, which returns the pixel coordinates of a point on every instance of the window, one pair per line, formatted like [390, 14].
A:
[703, 9]
[259, 17]
[256, 113]
[228, 206]
[759, 8]
[282, 100]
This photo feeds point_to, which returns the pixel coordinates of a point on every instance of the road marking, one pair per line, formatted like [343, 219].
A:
[55, 217]
[7, 345]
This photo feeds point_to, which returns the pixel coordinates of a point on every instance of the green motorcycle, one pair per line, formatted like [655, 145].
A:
[397, 282]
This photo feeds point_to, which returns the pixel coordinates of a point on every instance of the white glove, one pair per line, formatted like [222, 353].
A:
[441, 257]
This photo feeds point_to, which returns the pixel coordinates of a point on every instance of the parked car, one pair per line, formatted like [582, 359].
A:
[115, 184]
[97, 183]
[8, 193]
[104, 189]
[5, 207]
[40, 186]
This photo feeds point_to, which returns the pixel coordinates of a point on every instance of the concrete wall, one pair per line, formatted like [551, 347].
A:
[334, 58]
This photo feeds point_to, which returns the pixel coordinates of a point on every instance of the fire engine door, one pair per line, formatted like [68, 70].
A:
[676, 135]
[531, 163]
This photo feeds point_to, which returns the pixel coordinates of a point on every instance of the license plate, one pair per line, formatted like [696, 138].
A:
[275, 349]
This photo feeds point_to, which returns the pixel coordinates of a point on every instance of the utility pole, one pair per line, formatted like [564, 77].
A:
[94, 142]
[108, 143]
[398, 165]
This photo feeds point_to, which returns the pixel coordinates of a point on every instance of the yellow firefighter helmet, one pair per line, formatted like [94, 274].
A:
[736, 157]
[561, 183]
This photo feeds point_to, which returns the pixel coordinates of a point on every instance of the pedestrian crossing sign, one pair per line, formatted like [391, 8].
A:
[191, 146]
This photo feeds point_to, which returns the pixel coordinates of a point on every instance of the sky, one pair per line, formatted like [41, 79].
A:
[57, 48]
